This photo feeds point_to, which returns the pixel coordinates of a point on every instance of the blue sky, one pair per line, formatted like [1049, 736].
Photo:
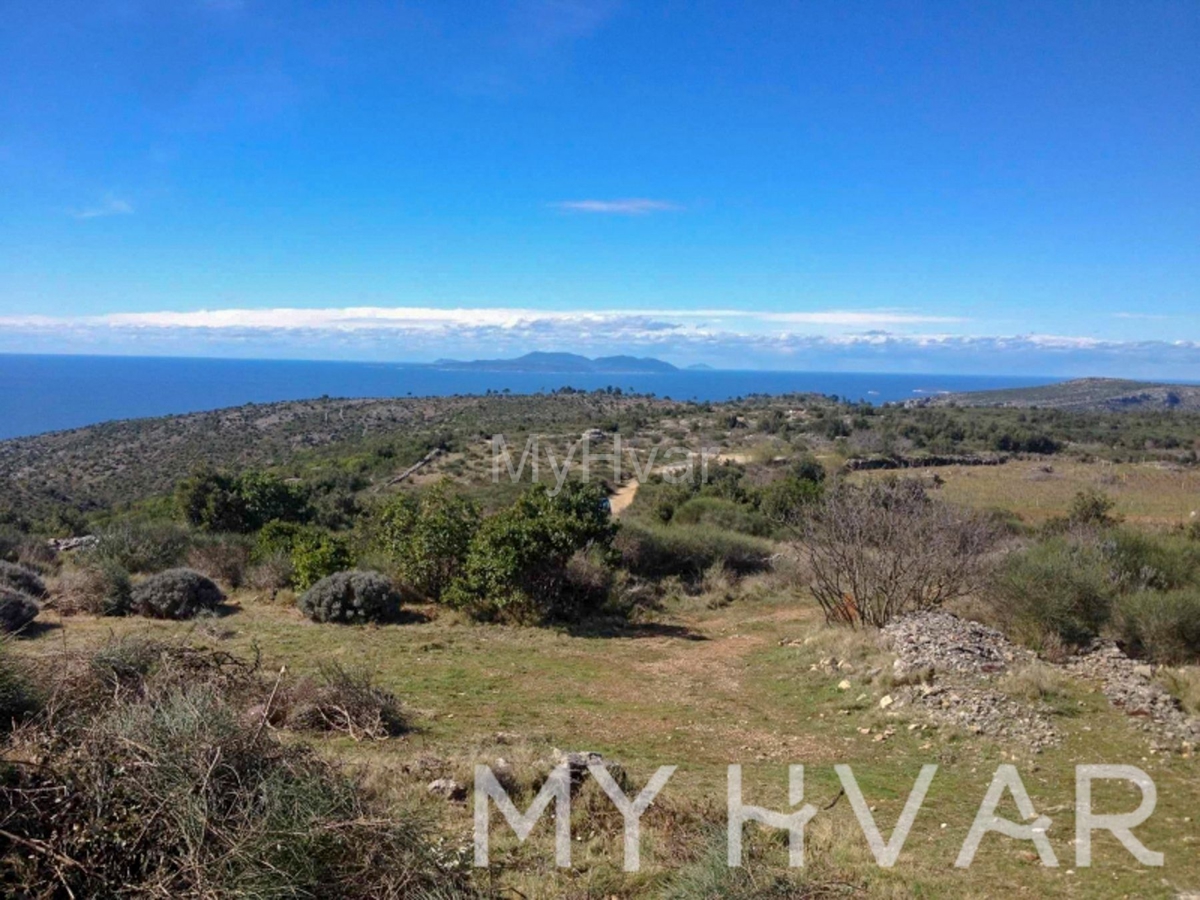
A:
[989, 187]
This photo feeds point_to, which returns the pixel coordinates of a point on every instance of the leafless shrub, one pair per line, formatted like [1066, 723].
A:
[887, 548]
[344, 701]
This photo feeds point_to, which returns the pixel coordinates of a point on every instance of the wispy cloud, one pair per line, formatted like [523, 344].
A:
[631, 206]
[110, 206]
[819, 340]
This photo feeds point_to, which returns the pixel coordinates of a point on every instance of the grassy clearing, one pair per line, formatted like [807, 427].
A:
[742, 682]
[1149, 493]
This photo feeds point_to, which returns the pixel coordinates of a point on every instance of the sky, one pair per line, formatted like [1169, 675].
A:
[989, 187]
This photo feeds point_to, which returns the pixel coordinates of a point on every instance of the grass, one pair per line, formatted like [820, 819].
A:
[706, 687]
[1145, 493]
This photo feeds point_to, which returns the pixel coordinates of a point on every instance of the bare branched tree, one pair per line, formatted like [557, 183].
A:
[887, 548]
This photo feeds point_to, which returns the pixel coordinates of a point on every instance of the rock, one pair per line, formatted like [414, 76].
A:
[448, 788]
[1144, 671]
[887, 701]
[844, 685]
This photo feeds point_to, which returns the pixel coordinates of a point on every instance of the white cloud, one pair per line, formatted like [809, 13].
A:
[629, 206]
[110, 206]
[860, 340]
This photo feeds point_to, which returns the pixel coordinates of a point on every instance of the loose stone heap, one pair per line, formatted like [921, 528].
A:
[959, 659]
[1128, 685]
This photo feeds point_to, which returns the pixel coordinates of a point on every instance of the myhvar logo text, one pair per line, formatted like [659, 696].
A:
[557, 790]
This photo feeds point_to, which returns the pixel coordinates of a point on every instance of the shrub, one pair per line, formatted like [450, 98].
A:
[312, 552]
[137, 546]
[173, 791]
[98, 589]
[1092, 507]
[344, 701]
[176, 594]
[1140, 561]
[517, 562]
[18, 699]
[350, 597]
[887, 548]
[723, 514]
[1163, 627]
[788, 501]
[21, 579]
[687, 552]
[271, 572]
[17, 610]
[1055, 591]
[221, 557]
[223, 502]
[426, 539]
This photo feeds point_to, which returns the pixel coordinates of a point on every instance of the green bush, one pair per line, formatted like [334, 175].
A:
[1092, 507]
[1056, 590]
[1142, 561]
[223, 502]
[426, 539]
[788, 501]
[517, 564]
[312, 552]
[140, 546]
[17, 610]
[175, 594]
[21, 579]
[662, 551]
[1163, 627]
[353, 597]
[720, 513]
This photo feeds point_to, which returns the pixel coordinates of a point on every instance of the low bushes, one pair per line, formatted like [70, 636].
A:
[98, 589]
[223, 558]
[516, 567]
[17, 610]
[175, 594]
[887, 548]
[165, 785]
[426, 538]
[1164, 627]
[1055, 591]
[344, 701]
[18, 698]
[311, 552]
[350, 597]
[1142, 589]
[21, 579]
[137, 546]
[726, 515]
[687, 552]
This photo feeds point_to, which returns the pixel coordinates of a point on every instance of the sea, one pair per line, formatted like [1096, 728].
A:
[54, 393]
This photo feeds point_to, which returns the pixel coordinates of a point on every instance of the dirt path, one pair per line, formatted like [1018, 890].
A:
[623, 496]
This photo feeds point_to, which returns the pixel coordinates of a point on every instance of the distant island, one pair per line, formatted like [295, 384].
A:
[563, 363]
[1082, 395]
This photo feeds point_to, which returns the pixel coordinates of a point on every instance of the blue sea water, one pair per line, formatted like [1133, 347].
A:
[51, 393]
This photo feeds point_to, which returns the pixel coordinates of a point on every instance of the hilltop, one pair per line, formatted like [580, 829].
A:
[1084, 395]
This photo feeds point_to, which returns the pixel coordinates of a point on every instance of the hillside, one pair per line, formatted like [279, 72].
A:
[1084, 395]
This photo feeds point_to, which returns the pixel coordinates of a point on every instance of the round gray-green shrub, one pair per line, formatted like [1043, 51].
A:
[350, 597]
[175, 594]
[21, 579]
[16, 609]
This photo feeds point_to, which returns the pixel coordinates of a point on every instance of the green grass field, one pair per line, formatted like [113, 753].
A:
[700, 690]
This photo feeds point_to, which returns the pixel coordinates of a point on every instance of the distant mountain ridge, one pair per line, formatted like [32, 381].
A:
[1085, 395]
[570, 363]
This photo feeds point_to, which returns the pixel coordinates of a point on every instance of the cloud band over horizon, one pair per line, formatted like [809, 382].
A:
[864, 340]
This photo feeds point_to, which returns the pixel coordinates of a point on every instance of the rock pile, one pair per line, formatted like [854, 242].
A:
[1128, 685]
[946, 643]
[961, 658]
